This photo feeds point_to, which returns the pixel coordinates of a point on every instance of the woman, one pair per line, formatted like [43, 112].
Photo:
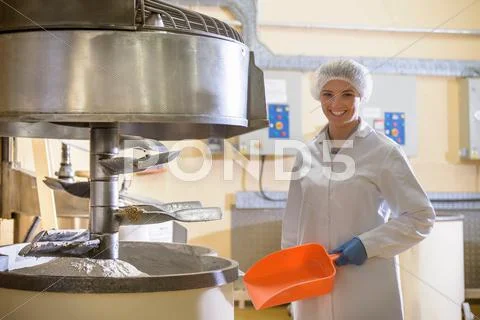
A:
[359, 198]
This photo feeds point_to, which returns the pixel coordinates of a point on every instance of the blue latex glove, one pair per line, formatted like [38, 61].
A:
[351, 252]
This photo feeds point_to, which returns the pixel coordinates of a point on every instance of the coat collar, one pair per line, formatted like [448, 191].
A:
[363, 130]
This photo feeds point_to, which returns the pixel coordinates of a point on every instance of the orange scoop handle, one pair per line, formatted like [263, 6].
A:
[334, 257]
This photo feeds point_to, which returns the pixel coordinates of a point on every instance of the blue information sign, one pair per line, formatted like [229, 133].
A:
[395, 126]
[278, 115]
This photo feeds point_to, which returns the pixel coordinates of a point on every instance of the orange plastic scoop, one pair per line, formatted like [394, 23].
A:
[291, 274]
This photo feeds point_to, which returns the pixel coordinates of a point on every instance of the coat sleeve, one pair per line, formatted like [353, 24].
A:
[412, 213]
[291, 217]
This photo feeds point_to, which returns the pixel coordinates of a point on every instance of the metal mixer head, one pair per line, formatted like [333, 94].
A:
[123, 67]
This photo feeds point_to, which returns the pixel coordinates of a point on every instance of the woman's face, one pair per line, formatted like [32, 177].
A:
[340, 102]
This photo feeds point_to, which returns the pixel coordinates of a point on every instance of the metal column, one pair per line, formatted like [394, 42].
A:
[104, 144]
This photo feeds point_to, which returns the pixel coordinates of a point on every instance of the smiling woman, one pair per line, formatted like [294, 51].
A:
[367, 216]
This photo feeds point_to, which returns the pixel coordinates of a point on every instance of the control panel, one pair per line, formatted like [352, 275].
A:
[391, 110]
[283, 90]
[469, 117]
[395, 126]
[278, 116]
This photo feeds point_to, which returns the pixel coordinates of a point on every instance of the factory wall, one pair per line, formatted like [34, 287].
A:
[436, 164]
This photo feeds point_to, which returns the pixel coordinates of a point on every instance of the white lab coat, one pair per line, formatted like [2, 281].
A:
[331, 212]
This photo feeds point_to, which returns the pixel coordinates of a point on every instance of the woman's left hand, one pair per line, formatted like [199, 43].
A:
[351, 252]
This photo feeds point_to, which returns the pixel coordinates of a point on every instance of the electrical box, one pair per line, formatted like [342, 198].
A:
[283, 91]
[391, 110]
[469, 119]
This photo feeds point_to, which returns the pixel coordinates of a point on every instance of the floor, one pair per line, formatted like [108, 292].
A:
[249, 313]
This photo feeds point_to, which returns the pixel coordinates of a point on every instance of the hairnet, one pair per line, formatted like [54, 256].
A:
[348, 70]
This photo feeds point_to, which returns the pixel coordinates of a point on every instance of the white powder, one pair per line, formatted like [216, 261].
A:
[79, 267]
